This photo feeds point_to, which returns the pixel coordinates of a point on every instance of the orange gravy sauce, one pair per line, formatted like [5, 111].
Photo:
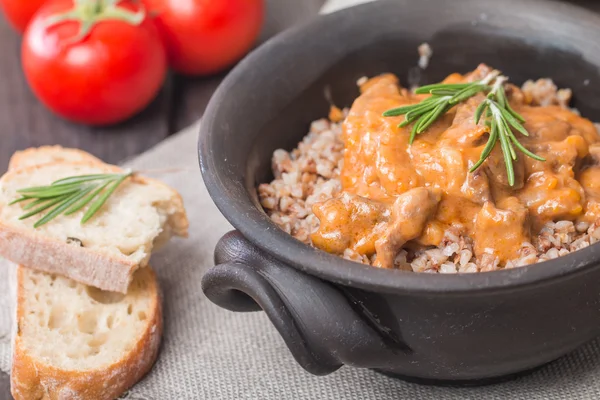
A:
[380, 166]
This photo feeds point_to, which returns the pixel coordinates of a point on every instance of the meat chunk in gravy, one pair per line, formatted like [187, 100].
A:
[501, 231]
[410, 212]
[393, 192]
[371, 227]
[350, 222]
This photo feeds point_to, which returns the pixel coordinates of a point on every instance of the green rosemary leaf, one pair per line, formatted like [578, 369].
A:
[507, 159]
[414, 109]
[394, 112]
[515, 114]
[96, 205]
[467, 93]
[421, 121]
[424, 118]
[479, 111]
[59, 209]
[513, 153]
[422, 110]
[50, 192]
[487, 150]
[35, 203]
[19, 200]
[443, 92]
[85, 178]
[413, 134]
[78, 205]
[45, 188]
[513, 122]
[427, 102]
[493, 140]
[44, 206]
[434, 115]
[407, 121]
[506, 131]
[452, 86]
[477, 164]
[501, 98]
[430, 99]
[35, 189]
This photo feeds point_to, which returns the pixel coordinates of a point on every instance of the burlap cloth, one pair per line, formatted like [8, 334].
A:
[210, 353]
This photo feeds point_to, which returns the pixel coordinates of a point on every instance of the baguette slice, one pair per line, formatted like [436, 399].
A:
[75, 342]
[49, 154]
[107, 250]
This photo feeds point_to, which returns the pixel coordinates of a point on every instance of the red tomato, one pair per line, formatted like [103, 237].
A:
[206, 36]
[19, 12]
[104, 78]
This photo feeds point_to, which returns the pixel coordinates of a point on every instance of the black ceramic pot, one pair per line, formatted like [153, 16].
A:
[332, 312]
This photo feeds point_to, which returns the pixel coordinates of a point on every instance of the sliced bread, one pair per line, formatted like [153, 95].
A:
[107, 250]
[76, 342]
[48, 154]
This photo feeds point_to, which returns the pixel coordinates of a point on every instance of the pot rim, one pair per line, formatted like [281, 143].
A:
[254, 224]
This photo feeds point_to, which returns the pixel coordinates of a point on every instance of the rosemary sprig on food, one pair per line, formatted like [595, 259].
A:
[69, 195]
[500, 118]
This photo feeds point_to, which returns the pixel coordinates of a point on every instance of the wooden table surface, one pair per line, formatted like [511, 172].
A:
[25, 123]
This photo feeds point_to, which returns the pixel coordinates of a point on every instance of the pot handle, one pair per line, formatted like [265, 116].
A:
[317, 322]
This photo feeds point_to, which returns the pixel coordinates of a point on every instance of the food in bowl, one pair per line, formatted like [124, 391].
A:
[466, 188]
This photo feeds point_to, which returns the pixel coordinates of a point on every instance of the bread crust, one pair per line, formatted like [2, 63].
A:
[83, 265]
[23, 158]
[91, 267]
[33, 379]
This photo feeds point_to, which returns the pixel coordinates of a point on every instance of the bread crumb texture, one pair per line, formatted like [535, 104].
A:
[77, 342]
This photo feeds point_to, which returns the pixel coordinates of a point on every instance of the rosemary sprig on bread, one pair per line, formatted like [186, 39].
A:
[69, 195]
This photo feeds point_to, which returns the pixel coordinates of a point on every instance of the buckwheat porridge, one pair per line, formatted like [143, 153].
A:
[458, 187]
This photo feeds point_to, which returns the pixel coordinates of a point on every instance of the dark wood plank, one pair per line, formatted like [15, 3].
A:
[24, 122]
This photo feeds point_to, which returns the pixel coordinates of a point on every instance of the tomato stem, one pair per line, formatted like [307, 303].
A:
[90, 12]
